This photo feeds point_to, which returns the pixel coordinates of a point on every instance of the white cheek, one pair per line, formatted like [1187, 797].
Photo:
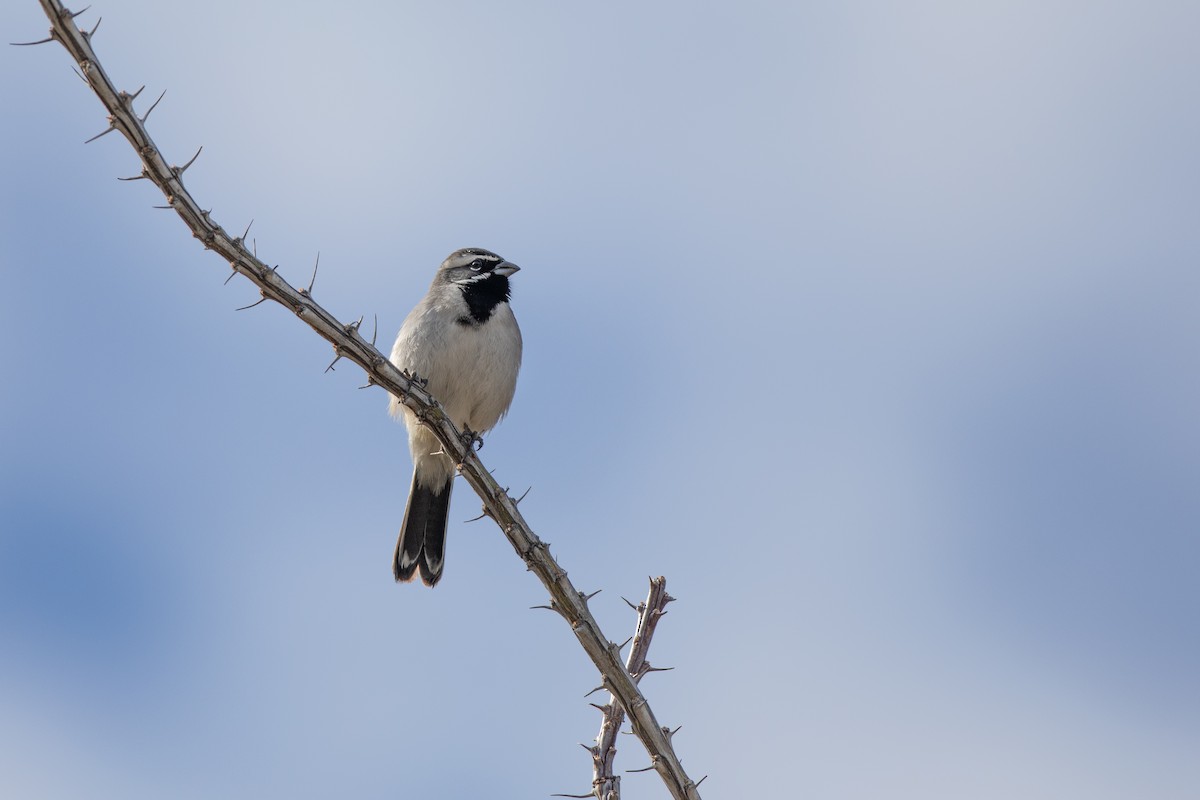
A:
[478, 276]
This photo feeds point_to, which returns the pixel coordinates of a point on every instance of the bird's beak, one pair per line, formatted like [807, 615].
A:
[505, 268]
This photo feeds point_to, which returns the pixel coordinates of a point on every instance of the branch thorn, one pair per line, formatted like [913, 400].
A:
[339, 358]
[308, 292]
[146, 116]
[180, 170]
[49, 38]
[252, 305]
[104, 132]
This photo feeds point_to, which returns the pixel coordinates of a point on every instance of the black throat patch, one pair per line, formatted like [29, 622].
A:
[482, 297]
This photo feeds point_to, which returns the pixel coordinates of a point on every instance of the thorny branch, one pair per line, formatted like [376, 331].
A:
[606, 784]
[350, 345]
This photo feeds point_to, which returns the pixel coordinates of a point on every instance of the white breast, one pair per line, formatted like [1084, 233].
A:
[472, 370]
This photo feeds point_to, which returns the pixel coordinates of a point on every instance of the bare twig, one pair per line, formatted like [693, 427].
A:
[565, 598]
[606, 784]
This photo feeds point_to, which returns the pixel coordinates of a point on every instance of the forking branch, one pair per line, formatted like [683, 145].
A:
[606, 784]
[348, 344]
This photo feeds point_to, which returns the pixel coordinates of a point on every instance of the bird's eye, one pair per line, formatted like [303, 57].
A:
[477, 265]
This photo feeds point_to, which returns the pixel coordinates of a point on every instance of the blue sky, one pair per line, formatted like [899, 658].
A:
[872, 326]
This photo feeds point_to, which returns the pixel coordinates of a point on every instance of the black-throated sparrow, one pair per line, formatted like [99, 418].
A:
[463, 339]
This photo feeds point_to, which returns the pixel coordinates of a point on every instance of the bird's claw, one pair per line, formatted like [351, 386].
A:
[472, 439]
[415, 378]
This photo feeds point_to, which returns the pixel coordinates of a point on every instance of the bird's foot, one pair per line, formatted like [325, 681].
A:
[471, 439]
[415, 378]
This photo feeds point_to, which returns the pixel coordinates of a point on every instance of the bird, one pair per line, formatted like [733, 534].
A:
[463, 342]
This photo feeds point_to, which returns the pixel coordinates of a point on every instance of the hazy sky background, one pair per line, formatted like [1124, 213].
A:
[873, 326]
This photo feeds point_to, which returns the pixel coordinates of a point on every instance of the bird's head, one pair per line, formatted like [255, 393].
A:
[473, 265]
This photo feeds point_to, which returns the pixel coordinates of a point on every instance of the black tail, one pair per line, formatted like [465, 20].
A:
[422, 544]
